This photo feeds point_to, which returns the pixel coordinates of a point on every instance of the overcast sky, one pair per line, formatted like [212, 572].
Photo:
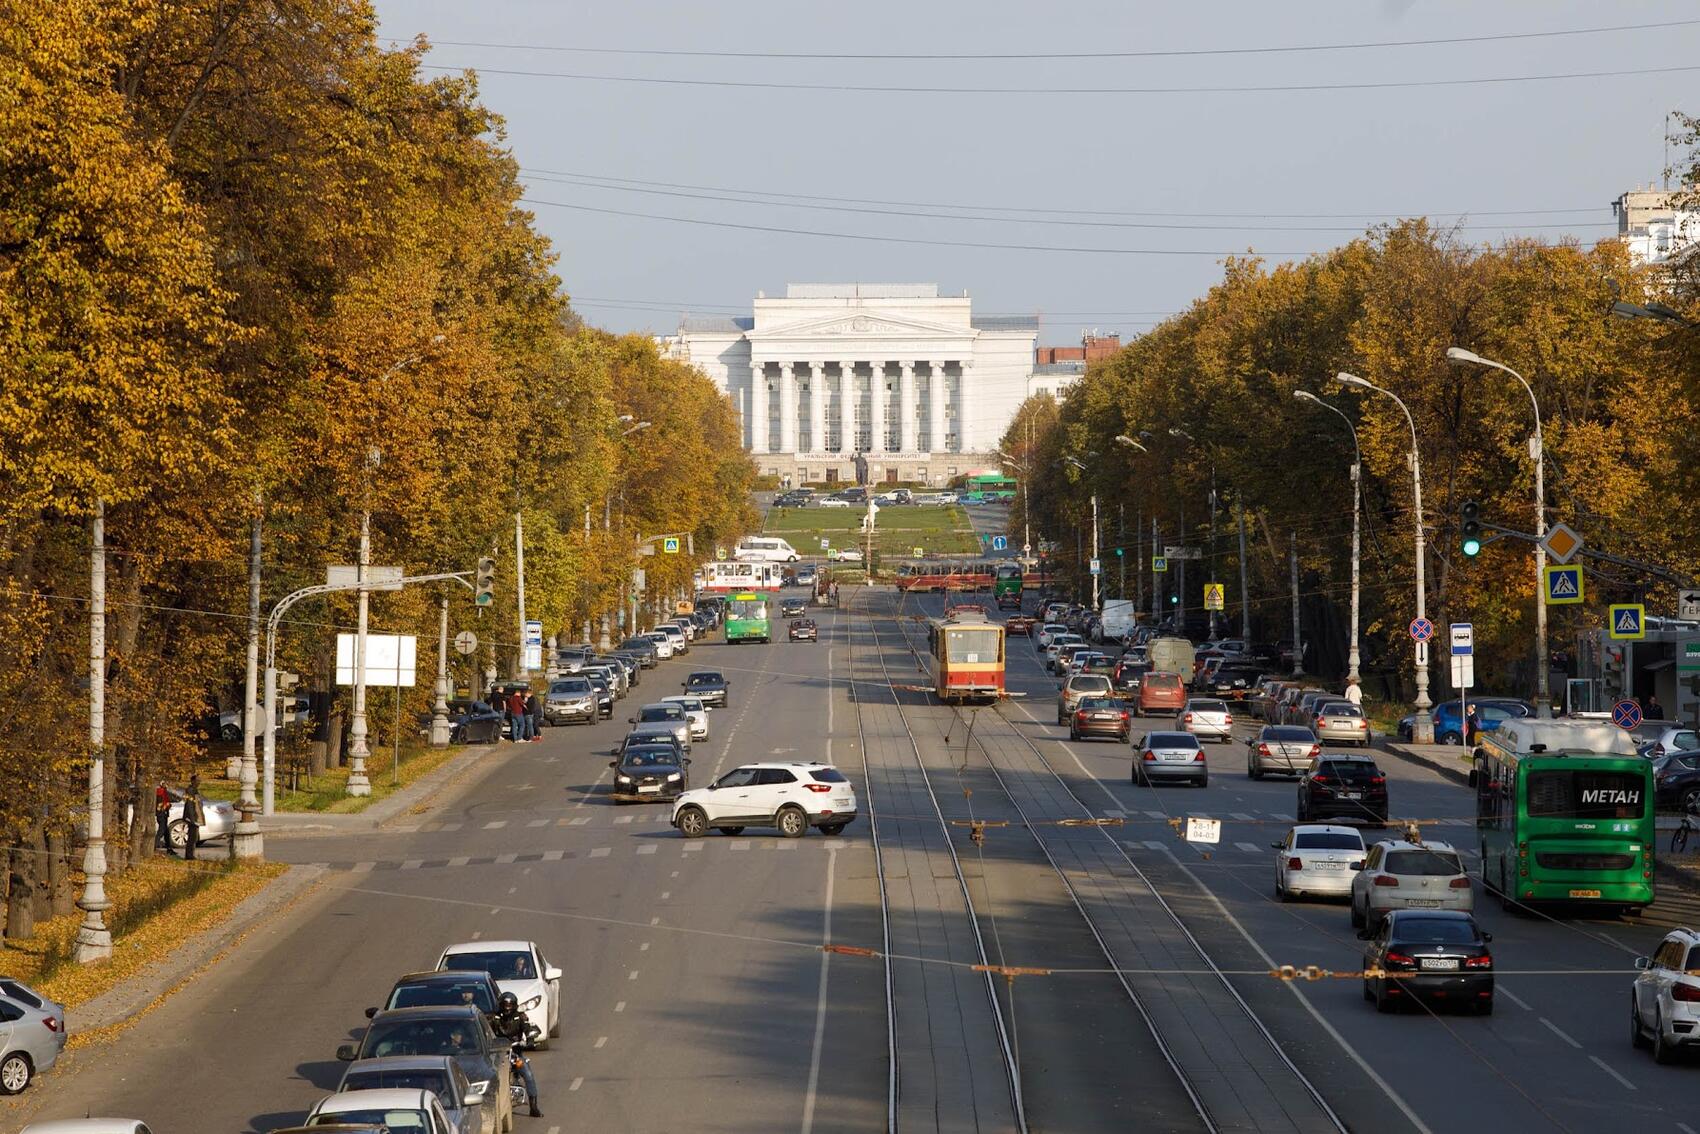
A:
[1151, 172]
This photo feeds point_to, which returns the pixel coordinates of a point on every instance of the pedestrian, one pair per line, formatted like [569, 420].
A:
[533, 716]
[1652, 710]
[516, 713]
[192, 815]
[1353, 693]
[1472, 725]
[162, 818]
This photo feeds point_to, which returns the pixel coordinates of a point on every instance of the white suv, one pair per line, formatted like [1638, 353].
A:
[1664, 1005]
[791, 796]
[1398, 875]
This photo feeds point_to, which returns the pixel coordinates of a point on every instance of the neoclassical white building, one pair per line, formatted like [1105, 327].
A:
[873, 383]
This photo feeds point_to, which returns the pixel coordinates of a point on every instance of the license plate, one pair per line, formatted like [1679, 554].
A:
[844, 802]
[1327, 866]
[1444, 963]
[1103, 716]
[648, 787]
[1424, 904]
[1584, 893]
[1351, 795]
[1176, 758]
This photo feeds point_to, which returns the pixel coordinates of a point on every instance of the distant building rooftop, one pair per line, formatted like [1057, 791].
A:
[1004, 322]
[862, 291]
[716, 324]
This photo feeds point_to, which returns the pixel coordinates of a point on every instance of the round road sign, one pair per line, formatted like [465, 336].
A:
[1626, 714]
[466, 642]
[1421, 629]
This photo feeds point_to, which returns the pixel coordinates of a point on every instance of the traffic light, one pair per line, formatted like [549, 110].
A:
[1470, 528]
[1118, 553]
[485, 595]
[1174, 600]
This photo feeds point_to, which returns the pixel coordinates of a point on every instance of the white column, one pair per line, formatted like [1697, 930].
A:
[817, 407]
[964, 405]
[758, 407]
[906, 406]
[878, 395]
[788, 407]
[935, 408]
[847, 407]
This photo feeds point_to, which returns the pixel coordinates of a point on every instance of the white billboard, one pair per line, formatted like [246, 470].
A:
[390, 659]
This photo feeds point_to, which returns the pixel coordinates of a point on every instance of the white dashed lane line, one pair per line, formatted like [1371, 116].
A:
[600, 1041]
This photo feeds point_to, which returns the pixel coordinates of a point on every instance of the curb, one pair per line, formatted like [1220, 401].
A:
[134, 996]
[1398, 748]
[414, 796]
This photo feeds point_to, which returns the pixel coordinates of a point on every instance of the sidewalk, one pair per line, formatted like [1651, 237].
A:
[412, 799]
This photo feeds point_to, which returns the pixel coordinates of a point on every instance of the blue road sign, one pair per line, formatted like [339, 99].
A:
[1626, 714]
[670, 545]
[1563, 584]
[1628, 620]
[1463, 639]
[1422, 629]
[1000, 543]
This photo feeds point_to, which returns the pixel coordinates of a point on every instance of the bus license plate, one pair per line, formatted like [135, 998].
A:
[1440, 962]
[1584, 893]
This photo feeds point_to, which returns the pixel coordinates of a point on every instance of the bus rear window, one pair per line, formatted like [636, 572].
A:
[1562, 794]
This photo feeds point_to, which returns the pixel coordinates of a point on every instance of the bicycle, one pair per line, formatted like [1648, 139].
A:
[1679, 837]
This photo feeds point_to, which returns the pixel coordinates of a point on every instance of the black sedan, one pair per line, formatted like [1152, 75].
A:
[709, 685]
[648, 773]
[792, 608]
[803, 630]
[1676, 781]
[1441, 956]
[474, 722]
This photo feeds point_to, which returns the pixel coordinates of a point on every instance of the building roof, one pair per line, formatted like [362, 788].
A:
[710, 324]
[862, 291]
[1075, 367]
[1005, 322]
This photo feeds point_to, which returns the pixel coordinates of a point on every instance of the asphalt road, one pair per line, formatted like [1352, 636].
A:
[696, 994]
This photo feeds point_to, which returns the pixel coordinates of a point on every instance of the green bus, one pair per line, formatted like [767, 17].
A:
[1007, 582]
[746, 619]
[991, 486]
[1564, 814]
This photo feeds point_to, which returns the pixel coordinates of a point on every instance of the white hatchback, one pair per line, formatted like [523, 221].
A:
[695, 711]
[1317, 858]
[791, 796]
[663, 644]
[518, 967]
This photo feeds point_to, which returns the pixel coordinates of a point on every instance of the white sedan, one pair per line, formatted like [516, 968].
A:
[834, 502]
[518, 967]
[1318, 859]
[850, 555]
[695, 711]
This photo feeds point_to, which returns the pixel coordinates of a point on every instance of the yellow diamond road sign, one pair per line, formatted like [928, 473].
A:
[1562, 543]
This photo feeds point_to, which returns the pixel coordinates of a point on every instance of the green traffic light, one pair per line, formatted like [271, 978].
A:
[1174, 599]
[1472, 547]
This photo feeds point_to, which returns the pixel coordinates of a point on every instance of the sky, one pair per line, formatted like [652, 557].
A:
[1108, 185]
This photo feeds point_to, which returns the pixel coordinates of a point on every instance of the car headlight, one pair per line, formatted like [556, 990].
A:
[673, 777]
[532, 1003]
[624, 779]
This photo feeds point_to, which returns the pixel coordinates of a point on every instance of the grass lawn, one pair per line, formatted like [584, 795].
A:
[328, 792]
[939, 531]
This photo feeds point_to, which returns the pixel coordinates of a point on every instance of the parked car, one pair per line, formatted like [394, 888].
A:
[1400, 875]
[1670, 738]
[1435, 955]
[1206, 719]
[663, 644]
[1170, 756]
[218, 819]
[708, 684]
[474, 722]
[31, 1037]
[1676, 781]
[1100, 716]
[1318, 859]
[1339, 785]
[91, 1126]
[834, 502]
[518, 967]
[571, 660]
[644, 649]
[791, 797]
[1664, 1002]
[1490, 711]
[1281, 749]
[1160, 694]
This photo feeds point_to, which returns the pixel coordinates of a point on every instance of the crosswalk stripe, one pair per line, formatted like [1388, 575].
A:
[1153, 844]
[413, 864]
[599, 852]
[538, 823]
[1249, 848]
[460, 860]
[495, 824]
[553, 856]
[504, 859]
[647, 848]
[1241, 816]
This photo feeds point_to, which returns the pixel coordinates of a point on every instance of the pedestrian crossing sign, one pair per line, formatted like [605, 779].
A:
[1628, 620]
[1562, 584]
[1159, 563]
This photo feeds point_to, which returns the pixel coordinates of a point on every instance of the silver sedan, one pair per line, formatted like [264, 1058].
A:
[1283, 749]
[219, 820]
[31, 1039]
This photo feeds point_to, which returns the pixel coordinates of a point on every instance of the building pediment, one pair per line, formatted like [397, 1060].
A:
[853, 325]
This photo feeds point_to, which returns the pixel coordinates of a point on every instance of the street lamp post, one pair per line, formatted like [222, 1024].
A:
[1352, 654]
[1458, 356]
[1422, 725]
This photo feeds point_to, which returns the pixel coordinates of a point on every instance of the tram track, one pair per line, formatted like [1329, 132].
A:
[1218, 1106]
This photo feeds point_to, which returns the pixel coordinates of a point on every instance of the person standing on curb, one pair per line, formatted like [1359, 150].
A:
[517, 714]
[162, 818]
[533, 717]
[192, 815]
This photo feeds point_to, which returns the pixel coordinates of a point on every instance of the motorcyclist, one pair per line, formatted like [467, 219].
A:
[510, 1023]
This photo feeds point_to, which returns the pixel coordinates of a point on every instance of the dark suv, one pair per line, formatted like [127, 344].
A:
[1338, 785]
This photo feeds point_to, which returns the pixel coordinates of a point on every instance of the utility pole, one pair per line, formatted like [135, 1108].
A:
[1156, 583]
[1212, 575]
[519, 581]
[1245, 600]
[358, 750]
[247, 841]
[1298, 642]
[1096, 604]
[440, 709]
[1121, 548]
[1138, 563]
[94, 940]
[1180, 579]
[587, 638]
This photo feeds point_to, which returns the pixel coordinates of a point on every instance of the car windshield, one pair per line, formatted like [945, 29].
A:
[1289, 735]
[650, 757]
[581, 686]
[432, 1036]
[386, 1117]
[435, 992]
[503, 964]
[396, 1078]
[661, 713]
[1341, 709]
[696, 679]
[1090, 703]
[1423, 863]
[1437, 930]
[1327, 840]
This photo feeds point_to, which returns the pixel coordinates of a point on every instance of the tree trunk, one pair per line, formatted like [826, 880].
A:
[20, 910]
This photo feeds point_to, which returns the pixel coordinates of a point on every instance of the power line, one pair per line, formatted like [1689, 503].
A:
[1365, 215]
[1166, 225]
[1173, 53]
[1264, 88]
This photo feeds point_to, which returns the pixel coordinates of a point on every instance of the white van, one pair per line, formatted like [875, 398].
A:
[765, 549]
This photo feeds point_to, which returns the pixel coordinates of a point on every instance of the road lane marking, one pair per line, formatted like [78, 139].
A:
[413, 864]
[648, 848]
[1153, 844]
[1241, 816]
[538, 823]
[620, 1006]
[599, 852]
[553, 855]
[665, 894]
[1250, 848]
[692, 846]
[644, 948]
[1513, 997]
[576, 1084]
[820, 997]
[655, 921]
[578, 822]
[1557, 1031]
[363, 867]
[740, 844]
[513, 889]
[632, 975]
[1151, 814]
[622, 818]
[1607, 1068]
[600, 1040]
[477, 933]
[505, 859]
[495, 824]
[449, 827]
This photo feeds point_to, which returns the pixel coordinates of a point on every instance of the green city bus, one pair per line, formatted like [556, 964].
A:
[746, 619]
[1006, 585]
[1564, 814]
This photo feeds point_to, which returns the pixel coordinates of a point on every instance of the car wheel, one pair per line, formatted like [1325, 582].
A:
[792, 823]
[555, 1029]
[1073, 734]
[1203, 781]
[230, 732]
[1691, 800]
[1637, 1038]
[1451, 738]
[832, 828]
[1663, 1050]
[692, 823]
[1280, 890]
[730, 830]
[15, 1073]
[179, 832]
[1357, 918]
[1253, 772]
